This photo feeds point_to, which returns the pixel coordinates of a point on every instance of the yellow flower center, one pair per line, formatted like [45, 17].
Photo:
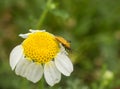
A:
[40, 47]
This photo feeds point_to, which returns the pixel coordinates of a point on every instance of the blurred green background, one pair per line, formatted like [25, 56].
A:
[92, 26]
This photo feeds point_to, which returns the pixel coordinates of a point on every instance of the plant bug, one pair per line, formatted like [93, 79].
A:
[63, 41]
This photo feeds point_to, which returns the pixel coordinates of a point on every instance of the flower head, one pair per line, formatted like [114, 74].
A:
[40, 53]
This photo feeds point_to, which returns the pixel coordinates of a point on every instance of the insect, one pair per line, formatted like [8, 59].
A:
[63, 41]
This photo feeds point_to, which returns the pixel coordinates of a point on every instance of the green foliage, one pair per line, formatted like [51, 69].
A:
[92, 26]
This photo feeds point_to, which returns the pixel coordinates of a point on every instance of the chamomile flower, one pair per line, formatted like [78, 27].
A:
[40, 53]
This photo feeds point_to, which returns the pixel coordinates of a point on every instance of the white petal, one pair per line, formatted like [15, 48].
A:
[22, 66]
[34, 72]
[52, 75]
[33, 31]
[64, 64]
[30, 70]
[63, 49]
[24, 35]
[15, 56]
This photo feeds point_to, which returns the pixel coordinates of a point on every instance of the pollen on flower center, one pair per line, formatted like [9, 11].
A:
[40, 47]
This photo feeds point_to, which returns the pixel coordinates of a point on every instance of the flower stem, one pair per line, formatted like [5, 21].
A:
[41, 84]
[42, 17]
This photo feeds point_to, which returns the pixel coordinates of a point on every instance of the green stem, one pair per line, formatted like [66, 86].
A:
[42, 17]
[41, 84]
